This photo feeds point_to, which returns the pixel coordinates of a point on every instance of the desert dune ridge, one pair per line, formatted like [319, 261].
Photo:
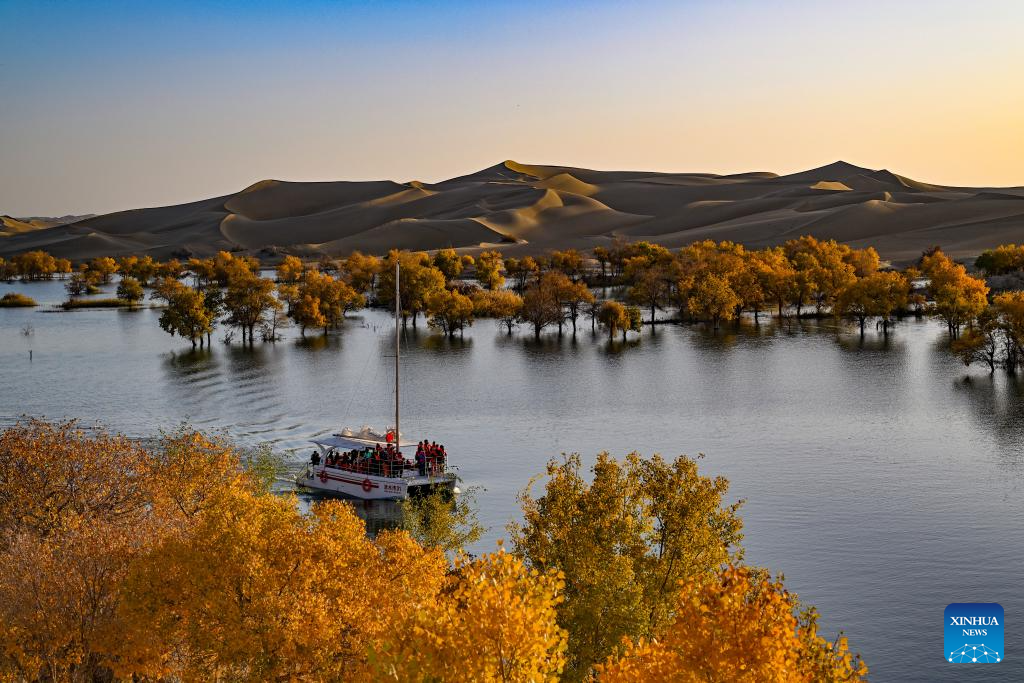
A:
[528, 208]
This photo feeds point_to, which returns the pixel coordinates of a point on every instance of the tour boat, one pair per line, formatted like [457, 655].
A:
[380, 483]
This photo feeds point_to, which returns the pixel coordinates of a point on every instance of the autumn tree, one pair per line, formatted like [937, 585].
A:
[493, 620]
[105, 267]
[652, 274]
[290, 269]
[319, 300]
[568, 262]
[982, 342]
[490, 269]
[864, 261]
[441, 520]
[129, 289]
[735, 627]
[541, 306]
[417, 281]
[614, 317]
[1010, 308]
[603, 257]
[142, 269]
[185, 313]
[248, 299]
[361, 270]
[776, 276]
[521, 272]
[34, 265]
[449, 263]
[78, 508]
[624, 539]
[713, 299]
[503, 305]
[1005, 258]
[449, 311]
[957, 297]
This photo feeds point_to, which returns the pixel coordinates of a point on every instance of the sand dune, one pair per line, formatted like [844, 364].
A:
[524, 208]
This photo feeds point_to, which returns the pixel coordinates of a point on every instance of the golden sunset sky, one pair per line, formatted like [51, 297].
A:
[115, 105]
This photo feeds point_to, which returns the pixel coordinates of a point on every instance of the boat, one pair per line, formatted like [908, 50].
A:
[362, 476]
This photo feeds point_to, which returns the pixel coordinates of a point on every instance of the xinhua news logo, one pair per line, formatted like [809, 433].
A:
[974, 633]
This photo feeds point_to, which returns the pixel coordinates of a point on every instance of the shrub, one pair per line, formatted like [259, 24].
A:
[17, 300]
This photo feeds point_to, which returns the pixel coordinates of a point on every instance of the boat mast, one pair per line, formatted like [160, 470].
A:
[398, 445]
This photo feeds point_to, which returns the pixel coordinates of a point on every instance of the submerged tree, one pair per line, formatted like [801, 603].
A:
[449, 311]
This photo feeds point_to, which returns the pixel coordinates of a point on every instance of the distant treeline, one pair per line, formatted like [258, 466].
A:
[705, 281]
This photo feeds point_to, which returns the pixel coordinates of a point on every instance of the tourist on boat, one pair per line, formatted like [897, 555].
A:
[421, 462]
[315, 458]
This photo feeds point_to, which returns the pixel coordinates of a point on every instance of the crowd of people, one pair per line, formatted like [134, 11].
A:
[386, 461]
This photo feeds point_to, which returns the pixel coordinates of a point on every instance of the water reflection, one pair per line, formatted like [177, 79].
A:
[996, 401]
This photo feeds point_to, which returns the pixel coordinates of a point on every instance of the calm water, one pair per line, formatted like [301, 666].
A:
[883, 478]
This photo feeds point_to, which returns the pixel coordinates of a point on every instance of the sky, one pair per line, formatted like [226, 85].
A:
[116, 105]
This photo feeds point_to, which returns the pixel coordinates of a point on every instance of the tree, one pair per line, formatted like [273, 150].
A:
[521, 271]
[290, 269]
[569, 262]
[418, 280]
[490, 269]
[248, 300]
[603, 257]
[142, 269]
[501, 304]
[624, 540]
[449, 263]
[1010, 307]
[735, 627]
[614, 317]
[982, 342]
[440, 520]
[864, 261]
[320, 300]
[260, 592]
[1005, 258]
[574, 297]
[713, 299]
[449, 311]
[494, 620]
[957, 297]
[361, 271]
[776, 276]
[541, 307]
[78, 508]
[129, 289]
[186, 313]
[105, 267]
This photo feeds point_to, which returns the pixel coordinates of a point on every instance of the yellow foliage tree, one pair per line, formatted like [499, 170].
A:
[494, 620]
[504, 305]
[449, 311]
[490, 269]
[734, 628]
[623, 541]
[290, 269]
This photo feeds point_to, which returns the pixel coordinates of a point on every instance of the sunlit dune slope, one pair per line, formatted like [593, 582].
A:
[524, 208]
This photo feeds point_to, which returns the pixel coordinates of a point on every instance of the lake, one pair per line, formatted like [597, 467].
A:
[881, 476]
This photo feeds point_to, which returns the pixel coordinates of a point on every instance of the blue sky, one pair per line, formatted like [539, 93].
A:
[112, 105]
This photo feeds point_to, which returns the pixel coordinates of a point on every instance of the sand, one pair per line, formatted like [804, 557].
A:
[528, 208]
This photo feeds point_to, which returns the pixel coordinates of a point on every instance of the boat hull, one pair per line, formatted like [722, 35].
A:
[369, 486]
